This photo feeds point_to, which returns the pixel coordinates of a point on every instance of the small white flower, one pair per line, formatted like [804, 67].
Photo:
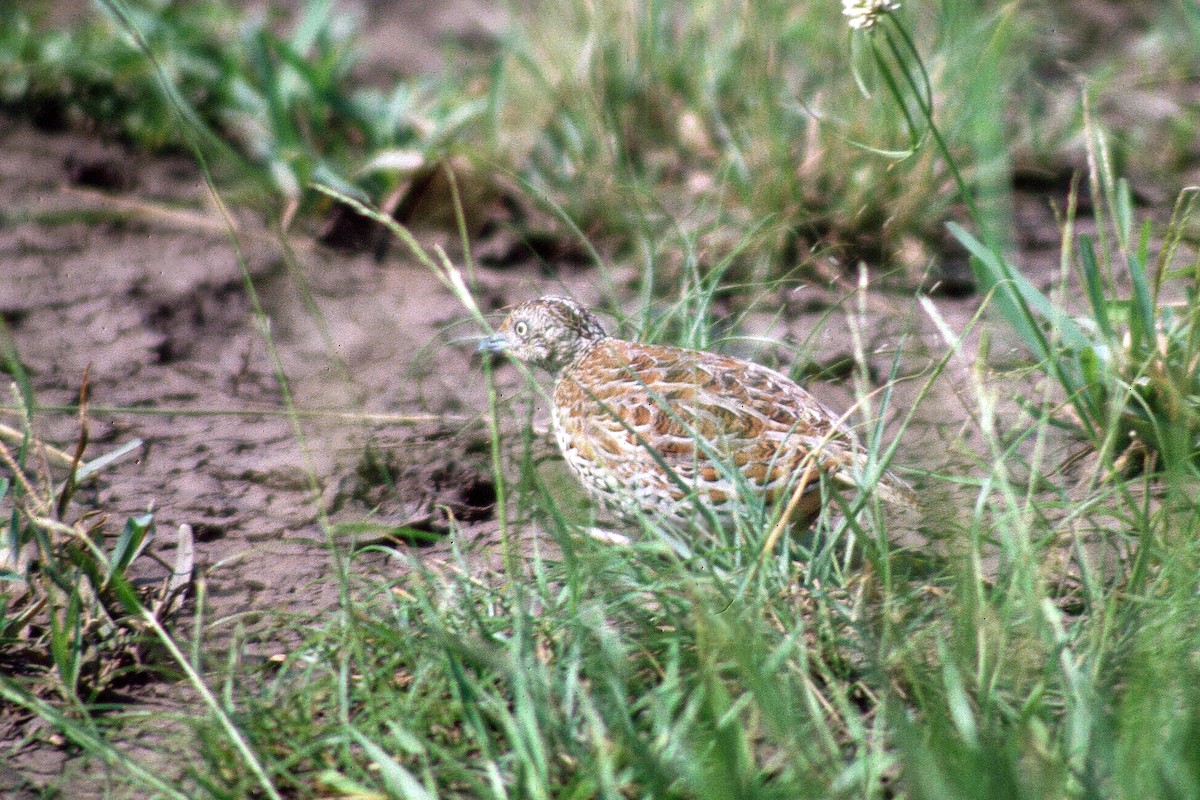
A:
[862, 14]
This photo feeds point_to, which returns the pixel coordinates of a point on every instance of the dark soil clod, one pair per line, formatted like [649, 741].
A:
[104, 173]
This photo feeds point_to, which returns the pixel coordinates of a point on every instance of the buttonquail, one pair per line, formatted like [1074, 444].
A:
[668, 432]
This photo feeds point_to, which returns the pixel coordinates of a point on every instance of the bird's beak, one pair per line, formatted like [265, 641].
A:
[496, 343]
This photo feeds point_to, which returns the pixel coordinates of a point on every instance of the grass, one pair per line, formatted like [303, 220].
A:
[746, 132]
[70, 618]
[273, 106]
[1048, 647]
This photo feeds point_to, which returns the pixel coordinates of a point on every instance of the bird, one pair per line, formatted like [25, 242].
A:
[677, 435]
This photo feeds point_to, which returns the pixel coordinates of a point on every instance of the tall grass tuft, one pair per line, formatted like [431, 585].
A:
[733, 116]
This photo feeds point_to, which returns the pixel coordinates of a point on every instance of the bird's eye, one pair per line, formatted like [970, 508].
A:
[520, 329]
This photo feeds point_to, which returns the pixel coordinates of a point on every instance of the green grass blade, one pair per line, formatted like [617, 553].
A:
[132, 541]
[100, 462]
[1020, 301]
[1094, 283]
[66, 643]
[1142, 323]
[312, 25]
[398, 781]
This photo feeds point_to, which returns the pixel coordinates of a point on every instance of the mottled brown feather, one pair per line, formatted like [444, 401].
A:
[663, 431]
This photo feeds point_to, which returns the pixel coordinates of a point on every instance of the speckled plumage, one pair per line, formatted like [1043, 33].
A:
[656, 430]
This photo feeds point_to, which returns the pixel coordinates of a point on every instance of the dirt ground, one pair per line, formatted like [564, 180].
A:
[118, 264]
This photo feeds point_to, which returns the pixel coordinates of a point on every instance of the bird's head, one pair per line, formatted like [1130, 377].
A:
[550, 332]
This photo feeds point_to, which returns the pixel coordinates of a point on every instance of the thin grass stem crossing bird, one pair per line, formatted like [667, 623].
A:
[678, 435]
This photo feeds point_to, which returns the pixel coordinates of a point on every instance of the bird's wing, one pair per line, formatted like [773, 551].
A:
[701, 413]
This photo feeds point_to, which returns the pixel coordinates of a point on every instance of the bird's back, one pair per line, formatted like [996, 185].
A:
[652, 429]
